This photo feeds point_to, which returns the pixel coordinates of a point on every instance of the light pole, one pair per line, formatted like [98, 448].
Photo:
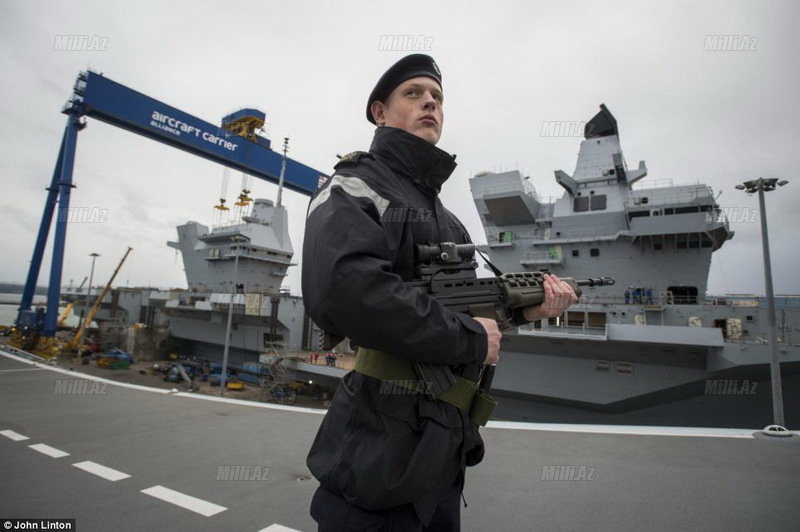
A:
[237, 239]
[761, 186]
[86, 306]
[283, 169]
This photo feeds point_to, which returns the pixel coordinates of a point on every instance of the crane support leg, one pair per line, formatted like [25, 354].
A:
[64, 190]
[41, 240]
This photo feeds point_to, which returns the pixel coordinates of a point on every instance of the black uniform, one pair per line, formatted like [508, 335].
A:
[376, 450]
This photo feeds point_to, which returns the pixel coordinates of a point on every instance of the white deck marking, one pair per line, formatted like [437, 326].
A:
[278, 528]
[188, 502]
[102, 471]
[20, 369]
[49, 451]
[11, 435]
[631, 430]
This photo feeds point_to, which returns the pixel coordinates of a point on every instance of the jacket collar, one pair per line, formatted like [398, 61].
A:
[412, 157]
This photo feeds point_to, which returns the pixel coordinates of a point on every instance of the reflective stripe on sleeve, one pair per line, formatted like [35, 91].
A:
[355, 187]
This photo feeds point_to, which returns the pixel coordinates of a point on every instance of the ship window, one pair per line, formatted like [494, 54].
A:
[270, 339]
[576, 252]
[594, 252]
[749, 318]
[598, 202]
[596, 320]
[581, 204]
[574, 319]
[669, 211]
[637, 214]
[657, 246]
[643, 201]
[683, 295]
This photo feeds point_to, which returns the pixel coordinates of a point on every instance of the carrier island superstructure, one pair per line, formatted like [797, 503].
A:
[653, 336]
[267, 320]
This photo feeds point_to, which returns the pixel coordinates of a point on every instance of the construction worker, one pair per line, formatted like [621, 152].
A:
[384, 458]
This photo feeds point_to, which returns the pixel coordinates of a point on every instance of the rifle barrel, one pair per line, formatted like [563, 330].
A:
[596, 281]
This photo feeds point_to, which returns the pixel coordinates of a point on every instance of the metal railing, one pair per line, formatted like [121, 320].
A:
[688, 195]
[515, 187]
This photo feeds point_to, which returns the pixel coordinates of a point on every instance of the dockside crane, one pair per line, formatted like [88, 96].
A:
[235, 144]
[75, 343]
[62, 320]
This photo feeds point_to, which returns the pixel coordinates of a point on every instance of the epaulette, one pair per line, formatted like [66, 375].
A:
[352, 158]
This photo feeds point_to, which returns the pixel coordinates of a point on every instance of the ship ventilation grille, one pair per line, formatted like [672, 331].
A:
[624, 368]
[602, 365]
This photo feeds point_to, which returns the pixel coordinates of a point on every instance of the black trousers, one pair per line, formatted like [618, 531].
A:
[334, 514]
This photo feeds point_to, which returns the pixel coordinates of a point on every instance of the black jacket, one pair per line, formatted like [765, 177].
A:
[380, 450]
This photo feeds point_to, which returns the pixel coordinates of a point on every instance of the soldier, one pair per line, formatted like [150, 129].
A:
[385, 458]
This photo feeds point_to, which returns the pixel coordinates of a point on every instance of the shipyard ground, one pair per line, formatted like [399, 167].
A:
[141, 373]
[175, 448]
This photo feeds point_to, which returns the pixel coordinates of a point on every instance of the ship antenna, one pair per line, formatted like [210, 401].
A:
[283, 169]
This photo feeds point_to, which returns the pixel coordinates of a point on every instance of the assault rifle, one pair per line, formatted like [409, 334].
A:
[446, 272]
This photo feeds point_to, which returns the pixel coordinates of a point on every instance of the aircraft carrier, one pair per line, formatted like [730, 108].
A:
[652, 338]
[652, 349]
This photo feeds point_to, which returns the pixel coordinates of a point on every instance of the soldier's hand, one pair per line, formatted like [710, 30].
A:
[558, 296]
[493, 335]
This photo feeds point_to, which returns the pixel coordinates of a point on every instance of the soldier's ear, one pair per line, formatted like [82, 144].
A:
[378, 110]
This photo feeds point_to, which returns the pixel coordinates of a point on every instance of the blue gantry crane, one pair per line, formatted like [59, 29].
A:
[235, 144]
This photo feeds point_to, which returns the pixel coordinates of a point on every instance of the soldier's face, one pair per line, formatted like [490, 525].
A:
[415, 106]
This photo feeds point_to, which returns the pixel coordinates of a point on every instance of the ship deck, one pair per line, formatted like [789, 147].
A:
[175, 446]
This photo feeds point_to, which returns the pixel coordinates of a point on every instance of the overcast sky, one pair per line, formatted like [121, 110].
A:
[714, 117]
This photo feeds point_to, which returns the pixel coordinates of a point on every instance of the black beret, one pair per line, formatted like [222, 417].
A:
[411, 66]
